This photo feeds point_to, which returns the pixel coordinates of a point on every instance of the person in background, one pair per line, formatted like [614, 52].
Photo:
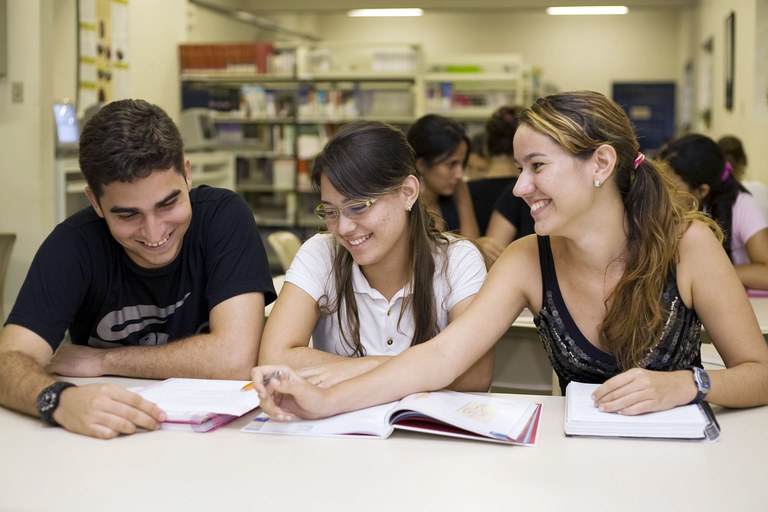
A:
[700, 168]
[154, 280]
[734, 152]
[501, 216]
[638, 272]
[477, 162]
[511, 219]
[383, 279]
[501, 171]
[441, 148]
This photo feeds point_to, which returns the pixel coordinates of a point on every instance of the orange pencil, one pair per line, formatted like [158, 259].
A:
[273, 375]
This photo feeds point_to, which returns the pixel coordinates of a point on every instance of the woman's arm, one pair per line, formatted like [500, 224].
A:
[286, 342]
[289, 329]
[722, 304]
[707, 282]
[499, 235]
[755, 273]
[468, 227]
[428, 366]
[480, 375]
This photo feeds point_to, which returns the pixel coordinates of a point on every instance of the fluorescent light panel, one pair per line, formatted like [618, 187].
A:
[384, 12]
[587, 10]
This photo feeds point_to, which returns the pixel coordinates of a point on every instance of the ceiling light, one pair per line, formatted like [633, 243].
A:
[587, 10]
[384, 12]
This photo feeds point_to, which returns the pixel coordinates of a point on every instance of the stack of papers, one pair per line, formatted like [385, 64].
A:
[582, 418]
[200, 405]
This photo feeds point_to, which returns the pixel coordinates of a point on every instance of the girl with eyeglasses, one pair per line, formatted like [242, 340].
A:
[382, 278]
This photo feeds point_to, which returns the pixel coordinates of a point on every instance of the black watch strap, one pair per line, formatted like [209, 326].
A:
[48, 401]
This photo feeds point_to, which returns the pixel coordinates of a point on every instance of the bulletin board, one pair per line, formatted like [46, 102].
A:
[103, 52]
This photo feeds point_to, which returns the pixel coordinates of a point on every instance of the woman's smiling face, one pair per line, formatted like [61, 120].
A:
[378, 234]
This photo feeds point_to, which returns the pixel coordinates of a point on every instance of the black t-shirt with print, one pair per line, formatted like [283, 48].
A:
[81, 279]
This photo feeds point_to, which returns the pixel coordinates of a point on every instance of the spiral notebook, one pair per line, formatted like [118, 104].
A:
[582, 418]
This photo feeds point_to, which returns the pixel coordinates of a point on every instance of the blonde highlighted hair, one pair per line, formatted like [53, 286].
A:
[580, 122]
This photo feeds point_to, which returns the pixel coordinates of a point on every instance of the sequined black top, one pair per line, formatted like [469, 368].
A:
[573, 357]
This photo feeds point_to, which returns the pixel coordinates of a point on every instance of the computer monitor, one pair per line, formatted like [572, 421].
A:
[197, 129]
[67, 129]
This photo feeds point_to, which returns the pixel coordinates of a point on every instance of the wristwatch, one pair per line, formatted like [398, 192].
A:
[701, 378]
[48, 401]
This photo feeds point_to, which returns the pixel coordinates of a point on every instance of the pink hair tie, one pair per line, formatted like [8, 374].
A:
[638, 160]
[727, 170]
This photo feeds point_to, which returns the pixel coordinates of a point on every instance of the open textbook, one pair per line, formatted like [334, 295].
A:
[582, 418]
[446, 413]
[200, 405]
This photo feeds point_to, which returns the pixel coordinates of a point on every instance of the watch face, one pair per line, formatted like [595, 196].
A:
[702, 379]
[47, 400]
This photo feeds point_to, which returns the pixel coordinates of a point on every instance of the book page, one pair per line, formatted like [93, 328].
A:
[365, 422]
[486, 415]
[191, 399]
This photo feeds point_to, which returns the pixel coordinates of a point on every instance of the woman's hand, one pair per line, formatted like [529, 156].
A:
[328, 374]
[638, 391]
[285, 396]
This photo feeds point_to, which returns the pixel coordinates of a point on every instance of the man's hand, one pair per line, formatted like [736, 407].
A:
[76, 361]
[105, 411]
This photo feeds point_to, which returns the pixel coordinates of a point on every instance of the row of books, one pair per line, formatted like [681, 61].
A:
[246, 57]
[201, 405]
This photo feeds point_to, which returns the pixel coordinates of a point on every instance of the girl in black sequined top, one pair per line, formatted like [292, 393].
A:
[620, 276]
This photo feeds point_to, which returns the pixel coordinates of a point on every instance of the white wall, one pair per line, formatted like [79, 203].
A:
[26, 146]
[157, 28]
[749, 118]
[581, 52]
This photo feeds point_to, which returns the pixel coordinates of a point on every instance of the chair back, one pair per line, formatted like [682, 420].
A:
[7, 240]
[285, 244]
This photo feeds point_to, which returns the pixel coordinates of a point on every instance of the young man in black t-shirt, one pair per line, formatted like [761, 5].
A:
[171, 281]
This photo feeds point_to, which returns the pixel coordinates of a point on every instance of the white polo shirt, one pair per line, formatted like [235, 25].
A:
[380, 334]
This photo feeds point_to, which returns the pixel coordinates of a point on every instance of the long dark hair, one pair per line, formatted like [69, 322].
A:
[435, 138]
[698, 160]
[581, 122]
[367, 159]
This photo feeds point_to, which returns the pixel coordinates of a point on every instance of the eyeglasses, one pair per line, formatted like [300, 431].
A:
[351, 211]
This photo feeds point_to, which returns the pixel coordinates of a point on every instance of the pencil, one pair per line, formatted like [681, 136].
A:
[273, 375]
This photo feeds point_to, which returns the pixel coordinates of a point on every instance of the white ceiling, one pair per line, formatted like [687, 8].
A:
[336, 6]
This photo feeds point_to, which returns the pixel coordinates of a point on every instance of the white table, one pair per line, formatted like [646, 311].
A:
[50, 469]
[760, 306]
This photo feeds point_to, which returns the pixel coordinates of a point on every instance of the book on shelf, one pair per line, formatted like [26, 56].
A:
[200, 405]
[446, 413]
[582, 418]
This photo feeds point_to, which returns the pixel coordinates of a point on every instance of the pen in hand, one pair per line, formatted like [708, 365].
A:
[273, 375]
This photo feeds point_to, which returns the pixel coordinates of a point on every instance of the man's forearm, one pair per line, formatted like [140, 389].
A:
[21, 380]
[201, 356]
